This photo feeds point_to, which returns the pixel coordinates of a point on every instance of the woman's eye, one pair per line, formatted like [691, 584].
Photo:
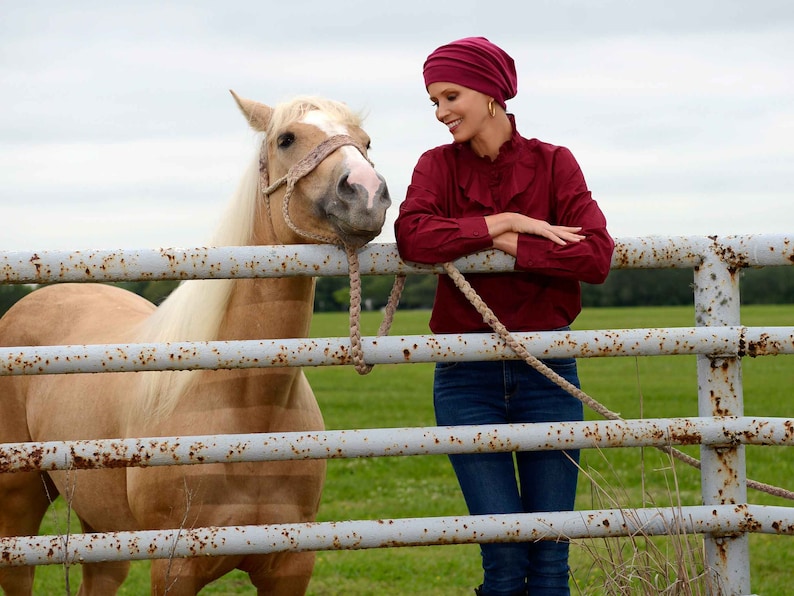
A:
[285, 140]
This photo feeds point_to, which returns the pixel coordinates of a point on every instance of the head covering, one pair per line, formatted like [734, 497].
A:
[476, 63]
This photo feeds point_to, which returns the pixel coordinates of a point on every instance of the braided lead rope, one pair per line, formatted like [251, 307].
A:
[356, 348]
[490, 318]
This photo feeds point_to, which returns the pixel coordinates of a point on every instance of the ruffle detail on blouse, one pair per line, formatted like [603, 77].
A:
[496, 183]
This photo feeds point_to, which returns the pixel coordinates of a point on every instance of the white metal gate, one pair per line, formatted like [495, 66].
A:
[725, 518]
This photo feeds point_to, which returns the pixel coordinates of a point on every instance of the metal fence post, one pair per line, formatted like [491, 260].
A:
[723, 472]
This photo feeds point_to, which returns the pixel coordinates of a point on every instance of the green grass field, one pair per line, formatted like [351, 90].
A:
[398, 487]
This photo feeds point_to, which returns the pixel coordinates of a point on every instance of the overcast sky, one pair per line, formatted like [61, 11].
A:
[117, 129]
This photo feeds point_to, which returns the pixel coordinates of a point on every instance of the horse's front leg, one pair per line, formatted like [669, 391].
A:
[186, 577]
[289, 575]
[25, 498]
[101, 579]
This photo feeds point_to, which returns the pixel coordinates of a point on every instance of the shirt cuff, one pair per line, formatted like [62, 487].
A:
[474, 228]
[531, 252]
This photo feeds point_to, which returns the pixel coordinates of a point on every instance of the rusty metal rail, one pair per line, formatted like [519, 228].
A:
[384, 533]
[239, 262]
[718, 340]
[723, 341]
[392, 442]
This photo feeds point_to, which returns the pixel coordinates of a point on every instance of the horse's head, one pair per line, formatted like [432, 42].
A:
[318, 183]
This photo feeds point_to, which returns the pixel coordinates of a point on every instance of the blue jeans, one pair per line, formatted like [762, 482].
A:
[466, 393]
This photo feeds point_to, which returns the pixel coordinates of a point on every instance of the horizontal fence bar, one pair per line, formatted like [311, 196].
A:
[387, 442]
[240, 262]
[367, 534]
[97, 358]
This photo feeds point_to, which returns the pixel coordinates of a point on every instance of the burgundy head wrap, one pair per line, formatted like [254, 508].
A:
[476, 63]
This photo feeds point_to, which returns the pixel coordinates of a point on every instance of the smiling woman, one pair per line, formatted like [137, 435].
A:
[493, 188]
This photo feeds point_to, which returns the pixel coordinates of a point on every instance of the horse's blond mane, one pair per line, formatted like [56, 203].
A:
[194, 311]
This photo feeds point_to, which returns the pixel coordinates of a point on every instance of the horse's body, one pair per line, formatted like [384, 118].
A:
[343, 199]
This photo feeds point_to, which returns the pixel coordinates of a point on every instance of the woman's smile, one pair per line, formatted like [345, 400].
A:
[454, 124]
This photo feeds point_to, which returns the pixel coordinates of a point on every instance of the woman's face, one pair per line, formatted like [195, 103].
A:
[464, 111]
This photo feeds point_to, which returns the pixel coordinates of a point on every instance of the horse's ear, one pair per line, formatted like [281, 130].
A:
[257, 114]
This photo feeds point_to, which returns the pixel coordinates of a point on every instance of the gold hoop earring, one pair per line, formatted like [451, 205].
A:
[492, 109]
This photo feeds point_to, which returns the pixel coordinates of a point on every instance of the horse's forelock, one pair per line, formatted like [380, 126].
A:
[296, 109]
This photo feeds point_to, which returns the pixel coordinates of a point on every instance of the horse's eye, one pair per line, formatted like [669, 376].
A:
[285, 140]
[369, 145]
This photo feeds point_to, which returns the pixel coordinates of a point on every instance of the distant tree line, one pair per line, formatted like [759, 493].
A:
[623, 287]
[154, 291]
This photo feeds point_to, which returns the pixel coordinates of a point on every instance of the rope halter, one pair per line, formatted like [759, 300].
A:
[297, 171]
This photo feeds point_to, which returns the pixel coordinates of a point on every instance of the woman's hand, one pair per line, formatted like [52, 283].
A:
[505, 227]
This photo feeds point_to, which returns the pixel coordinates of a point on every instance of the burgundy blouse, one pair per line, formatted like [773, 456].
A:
[442, 219]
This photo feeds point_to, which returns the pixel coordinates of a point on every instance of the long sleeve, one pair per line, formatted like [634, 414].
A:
[588, 260]
[425, 231]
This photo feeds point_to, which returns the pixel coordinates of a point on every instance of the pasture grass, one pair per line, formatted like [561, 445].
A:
[395, 396]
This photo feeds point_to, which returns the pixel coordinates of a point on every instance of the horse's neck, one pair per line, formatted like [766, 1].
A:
[268, 309]
[272, 307]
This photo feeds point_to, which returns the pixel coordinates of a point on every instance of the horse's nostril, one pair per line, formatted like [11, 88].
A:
[343, 187]
[385, 197]
[350, 191]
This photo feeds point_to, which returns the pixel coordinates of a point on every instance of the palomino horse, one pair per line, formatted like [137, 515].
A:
[333, 194]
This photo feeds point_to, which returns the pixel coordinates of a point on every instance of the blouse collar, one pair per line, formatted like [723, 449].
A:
[498, 181]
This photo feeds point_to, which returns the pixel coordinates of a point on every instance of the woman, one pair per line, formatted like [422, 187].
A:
[493, 188]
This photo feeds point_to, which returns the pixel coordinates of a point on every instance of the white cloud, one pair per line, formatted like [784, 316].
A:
[680, 125]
